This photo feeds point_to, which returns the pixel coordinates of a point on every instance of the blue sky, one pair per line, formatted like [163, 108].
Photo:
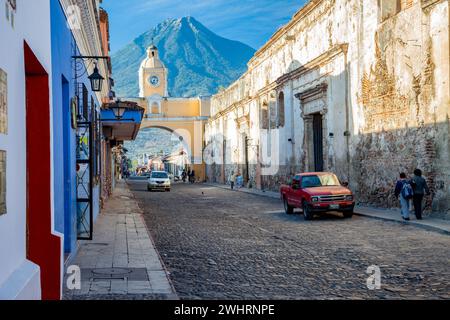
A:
[249, 21]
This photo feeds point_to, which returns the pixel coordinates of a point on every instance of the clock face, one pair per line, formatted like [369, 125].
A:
[154, 81]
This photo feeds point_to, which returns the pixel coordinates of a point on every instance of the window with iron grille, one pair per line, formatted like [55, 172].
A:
[83, 103]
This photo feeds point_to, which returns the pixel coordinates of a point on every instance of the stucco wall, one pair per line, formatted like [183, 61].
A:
[64, 139]
[64, 144]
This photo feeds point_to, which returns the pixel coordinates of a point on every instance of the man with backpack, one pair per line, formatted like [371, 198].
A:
[404, 192]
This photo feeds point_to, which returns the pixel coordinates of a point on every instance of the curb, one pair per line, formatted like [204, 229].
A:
[412, 223]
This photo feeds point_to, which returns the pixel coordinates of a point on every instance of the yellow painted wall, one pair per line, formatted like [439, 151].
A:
[181, 108]
[175, 108]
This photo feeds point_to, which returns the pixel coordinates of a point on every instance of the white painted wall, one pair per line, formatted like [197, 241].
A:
[19, 278]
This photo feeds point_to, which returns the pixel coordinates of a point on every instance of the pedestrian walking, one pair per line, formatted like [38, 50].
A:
[184, 175]
[239, 180]
[420, 187]
[192, 177]
[232, 180]
[404, 192]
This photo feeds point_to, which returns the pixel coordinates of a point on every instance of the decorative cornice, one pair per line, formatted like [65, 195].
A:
[243, 120]
[312, 93]
[427, 3]
[320, 61]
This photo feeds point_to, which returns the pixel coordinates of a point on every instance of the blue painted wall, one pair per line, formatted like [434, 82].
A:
[64, 156]
[64, 137]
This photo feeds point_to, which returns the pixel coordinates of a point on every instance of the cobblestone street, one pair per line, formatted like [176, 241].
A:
[219, 244]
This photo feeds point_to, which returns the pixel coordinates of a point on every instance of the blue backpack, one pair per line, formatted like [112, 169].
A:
[407, 191]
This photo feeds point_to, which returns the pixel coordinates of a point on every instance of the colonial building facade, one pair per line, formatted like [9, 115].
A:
[360, 88]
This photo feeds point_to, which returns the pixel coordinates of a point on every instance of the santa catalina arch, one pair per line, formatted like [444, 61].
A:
[185, 117]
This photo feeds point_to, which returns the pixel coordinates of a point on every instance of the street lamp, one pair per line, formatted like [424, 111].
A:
[118, 110]
[96, 80]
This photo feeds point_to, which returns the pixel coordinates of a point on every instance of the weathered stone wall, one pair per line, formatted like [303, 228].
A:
[382, 156]
[405, 112]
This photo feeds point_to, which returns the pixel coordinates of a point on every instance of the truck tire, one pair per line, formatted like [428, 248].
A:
[348, 214]
[307, 212]
[287, 208]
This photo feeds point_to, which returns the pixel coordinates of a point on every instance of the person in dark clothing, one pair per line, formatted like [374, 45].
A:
[192, 176]
[420, 188]
[404, 202]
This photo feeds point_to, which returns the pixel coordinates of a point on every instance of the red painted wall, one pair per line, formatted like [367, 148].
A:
[43, 248]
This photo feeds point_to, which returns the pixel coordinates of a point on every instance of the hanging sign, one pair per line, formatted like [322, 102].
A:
[2, 182]
[3, 102]
[73, 112]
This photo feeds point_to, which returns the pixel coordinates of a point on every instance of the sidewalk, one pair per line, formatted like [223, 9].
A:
[428, 223]
[121, 262]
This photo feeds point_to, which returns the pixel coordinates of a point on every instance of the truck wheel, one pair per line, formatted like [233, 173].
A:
[287, 208]
[348, 214]
[307, 212]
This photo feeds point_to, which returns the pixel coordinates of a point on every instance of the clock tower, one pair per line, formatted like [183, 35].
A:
[153, 76]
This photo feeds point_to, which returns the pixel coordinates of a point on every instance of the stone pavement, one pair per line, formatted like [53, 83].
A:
[269, 194]
[121, 262]
[428, 223]
[219, 244]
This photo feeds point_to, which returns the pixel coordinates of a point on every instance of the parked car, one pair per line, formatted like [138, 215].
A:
[158, 180]
[317, 192]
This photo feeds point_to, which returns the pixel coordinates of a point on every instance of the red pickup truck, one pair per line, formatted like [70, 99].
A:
[317, 192]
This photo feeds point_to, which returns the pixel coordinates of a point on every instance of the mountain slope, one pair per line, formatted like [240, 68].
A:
[199, 61]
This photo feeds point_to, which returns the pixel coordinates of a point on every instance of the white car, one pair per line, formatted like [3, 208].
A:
[159, 180]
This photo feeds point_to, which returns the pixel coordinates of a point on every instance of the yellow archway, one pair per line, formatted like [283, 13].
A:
[186, 118]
